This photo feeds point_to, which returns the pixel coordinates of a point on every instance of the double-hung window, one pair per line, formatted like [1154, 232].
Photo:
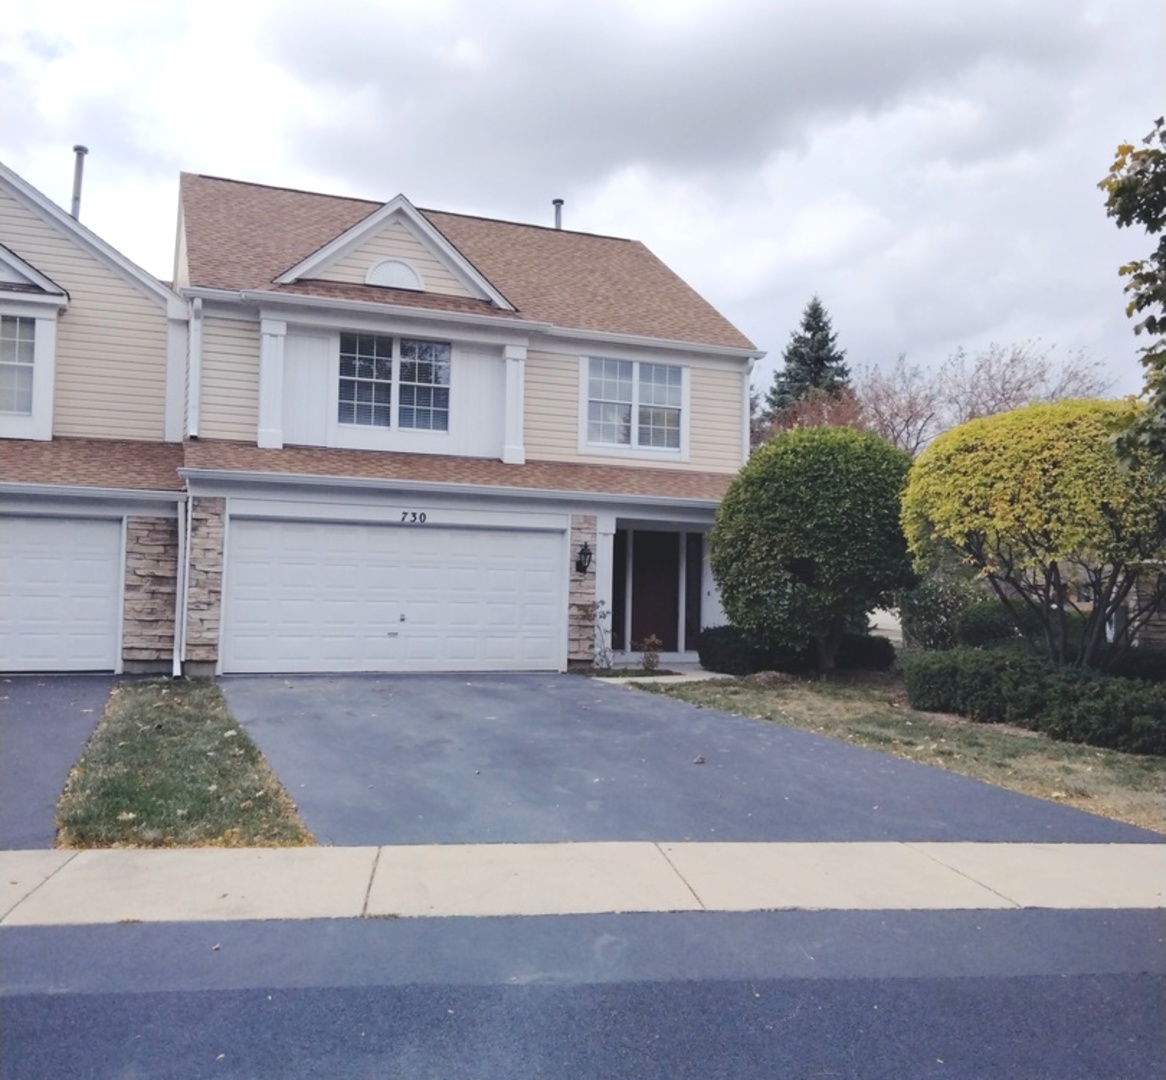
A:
[634, 404]
[17, 354]
[394, 382]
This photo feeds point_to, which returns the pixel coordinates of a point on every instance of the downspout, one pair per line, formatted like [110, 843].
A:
[189, 512]
[180, 589]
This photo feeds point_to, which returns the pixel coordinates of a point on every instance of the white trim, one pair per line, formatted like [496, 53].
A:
[398, 206]
[273, 333]
[632, 451]
[229, 477]
[194, 368]
[49, 210]
[176, 345]
[586, 338]
[179, 590]
[632, 340]
[19, 268]
[119, 659]
[513, 440]
[228, 502]
[746, 414]
[38, 424]
[14, 492]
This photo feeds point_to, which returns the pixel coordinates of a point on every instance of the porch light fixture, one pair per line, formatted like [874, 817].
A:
[583, 559]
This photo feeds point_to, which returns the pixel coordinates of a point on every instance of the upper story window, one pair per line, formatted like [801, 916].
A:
[394, 382]
[17, 356]
[635, 404]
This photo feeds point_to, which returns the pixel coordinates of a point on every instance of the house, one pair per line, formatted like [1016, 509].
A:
[379, 439]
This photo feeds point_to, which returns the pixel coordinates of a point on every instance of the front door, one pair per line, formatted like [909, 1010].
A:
[656, 585]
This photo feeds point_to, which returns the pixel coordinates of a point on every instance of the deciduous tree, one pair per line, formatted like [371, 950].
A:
[1135, 194]
[1038, 502]
[910, 406]
[807, 540]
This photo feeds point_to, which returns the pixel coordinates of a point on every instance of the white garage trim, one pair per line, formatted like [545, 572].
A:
[62, 586]
[416, 594]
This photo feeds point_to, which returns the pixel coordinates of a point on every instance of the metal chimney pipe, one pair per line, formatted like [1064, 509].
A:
[78, 170]
[558, 205]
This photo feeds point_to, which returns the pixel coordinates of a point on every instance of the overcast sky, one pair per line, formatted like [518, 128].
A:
[928, 167]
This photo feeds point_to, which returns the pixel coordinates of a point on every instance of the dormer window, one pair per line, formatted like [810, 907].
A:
[394, 274]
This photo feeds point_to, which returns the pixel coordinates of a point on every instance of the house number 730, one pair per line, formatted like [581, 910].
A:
[413, 517]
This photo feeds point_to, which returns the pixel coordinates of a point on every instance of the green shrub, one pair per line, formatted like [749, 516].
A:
[730, 651]
[993, 687]
[865, 652]
[1122, 714]
[1142, 662]
[985, 622]
[1008, 686]
[930, 611]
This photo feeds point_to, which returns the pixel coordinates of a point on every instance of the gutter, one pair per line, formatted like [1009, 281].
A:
[389, 484]
[265, 298]
[73, 492]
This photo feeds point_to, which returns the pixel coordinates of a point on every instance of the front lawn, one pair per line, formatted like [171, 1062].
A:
[872, 711]
[168, 766]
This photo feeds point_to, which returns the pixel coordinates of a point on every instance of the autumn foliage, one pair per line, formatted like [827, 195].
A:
[1038, 502]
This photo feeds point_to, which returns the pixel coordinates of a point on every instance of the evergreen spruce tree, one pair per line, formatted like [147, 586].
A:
[812, 361]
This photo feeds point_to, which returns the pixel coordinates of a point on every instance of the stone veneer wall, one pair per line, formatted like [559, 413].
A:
[151, 583]
[582, 596]
[204, 595]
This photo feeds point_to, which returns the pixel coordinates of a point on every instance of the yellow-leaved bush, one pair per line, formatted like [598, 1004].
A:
[1038, 501]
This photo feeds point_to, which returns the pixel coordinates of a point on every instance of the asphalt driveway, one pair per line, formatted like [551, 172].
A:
[417, 759]
[45, 721]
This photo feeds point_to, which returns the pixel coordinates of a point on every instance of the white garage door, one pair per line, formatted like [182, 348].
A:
[308, 596]
[60, 594]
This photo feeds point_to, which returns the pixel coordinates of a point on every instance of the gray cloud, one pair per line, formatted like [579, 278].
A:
[532, 96]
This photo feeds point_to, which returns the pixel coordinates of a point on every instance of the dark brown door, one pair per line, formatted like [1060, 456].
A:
[656, 587]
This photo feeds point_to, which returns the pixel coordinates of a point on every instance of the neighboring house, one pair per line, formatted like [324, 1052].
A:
[400, 428]
[92, 356]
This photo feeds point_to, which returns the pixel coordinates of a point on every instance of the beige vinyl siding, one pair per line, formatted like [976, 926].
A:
[395, 241]
[111, 338]
[551, 410]
[229, 407]
[552, 417]
[714, 428]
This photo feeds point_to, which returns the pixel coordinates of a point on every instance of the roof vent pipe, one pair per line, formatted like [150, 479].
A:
[558, 205]
[78, 169]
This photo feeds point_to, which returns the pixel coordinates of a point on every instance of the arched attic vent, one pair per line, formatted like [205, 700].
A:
[394, 274]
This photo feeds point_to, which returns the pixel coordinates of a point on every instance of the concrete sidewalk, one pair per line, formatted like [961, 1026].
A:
[53, 888]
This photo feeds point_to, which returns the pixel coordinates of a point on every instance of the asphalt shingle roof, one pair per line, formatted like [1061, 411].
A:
[243, 236]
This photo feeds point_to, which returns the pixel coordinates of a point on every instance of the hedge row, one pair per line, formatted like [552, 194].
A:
[993, 686]
[728, 651]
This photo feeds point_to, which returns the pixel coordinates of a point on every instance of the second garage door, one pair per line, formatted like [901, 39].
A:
[321, 596]
[60, 594]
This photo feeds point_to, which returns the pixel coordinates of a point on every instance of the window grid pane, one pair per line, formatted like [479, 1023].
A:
[17, 351]
[610, 388]
[660, 385]
[425, 367]
[609, 422]
[659, 427]
[366, 380]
